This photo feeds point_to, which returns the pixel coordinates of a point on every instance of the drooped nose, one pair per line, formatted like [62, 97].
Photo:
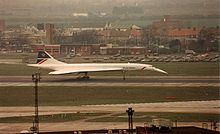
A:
[151, 68]
[159, 70]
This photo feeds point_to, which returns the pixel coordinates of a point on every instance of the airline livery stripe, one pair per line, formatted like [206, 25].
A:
[42, 61]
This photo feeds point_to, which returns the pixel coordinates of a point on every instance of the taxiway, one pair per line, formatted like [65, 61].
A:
[170, 81]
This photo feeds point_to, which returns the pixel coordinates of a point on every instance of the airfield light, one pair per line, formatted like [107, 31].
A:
[36, 78]
[130, 120]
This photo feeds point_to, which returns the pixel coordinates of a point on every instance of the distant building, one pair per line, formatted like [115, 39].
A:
[103, 49]
[120, 27]
[53, 49]
[80, 14]
[160, 28]
[2, 25]
[16, 40]
[183, 33]
[80, 49]
[215, 31]
[119, 33]
[86, 27]
[40, 26]
[50, 33]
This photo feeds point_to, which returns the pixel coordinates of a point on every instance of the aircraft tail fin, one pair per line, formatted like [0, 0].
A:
[45, 58]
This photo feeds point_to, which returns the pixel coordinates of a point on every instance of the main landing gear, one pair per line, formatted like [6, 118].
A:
[124, 73]
[84, 77]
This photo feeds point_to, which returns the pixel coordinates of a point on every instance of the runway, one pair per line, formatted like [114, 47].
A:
[182, 81]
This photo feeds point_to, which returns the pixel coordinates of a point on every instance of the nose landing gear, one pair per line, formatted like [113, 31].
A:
[124, 73]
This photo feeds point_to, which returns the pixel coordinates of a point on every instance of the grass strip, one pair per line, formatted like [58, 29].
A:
[71, 96]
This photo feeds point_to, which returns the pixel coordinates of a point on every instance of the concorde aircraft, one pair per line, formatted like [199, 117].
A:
[46, 61]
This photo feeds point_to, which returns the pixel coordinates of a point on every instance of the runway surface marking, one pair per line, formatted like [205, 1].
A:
[182, 107]
[186, 107]
[115, 84]
[169, 81]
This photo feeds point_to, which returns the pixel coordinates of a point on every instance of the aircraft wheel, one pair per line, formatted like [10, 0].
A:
[86, 77]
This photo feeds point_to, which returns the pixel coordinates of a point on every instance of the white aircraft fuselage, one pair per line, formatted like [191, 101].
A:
[101, 66]
[48, 62]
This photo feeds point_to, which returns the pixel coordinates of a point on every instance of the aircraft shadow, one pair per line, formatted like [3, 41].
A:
[92, 80]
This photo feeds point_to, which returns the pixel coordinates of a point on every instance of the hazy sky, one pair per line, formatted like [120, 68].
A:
[151, 6]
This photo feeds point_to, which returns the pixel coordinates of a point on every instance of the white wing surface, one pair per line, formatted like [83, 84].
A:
[84, 70]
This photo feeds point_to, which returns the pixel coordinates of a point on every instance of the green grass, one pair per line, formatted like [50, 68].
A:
[50, 118]
[147, 117]
[69, 96]
[19, 70]
[17, 55]
[179, 69]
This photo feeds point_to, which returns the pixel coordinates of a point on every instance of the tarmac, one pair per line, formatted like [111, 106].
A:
[84, 124]
[183, 107]
[169, 81]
